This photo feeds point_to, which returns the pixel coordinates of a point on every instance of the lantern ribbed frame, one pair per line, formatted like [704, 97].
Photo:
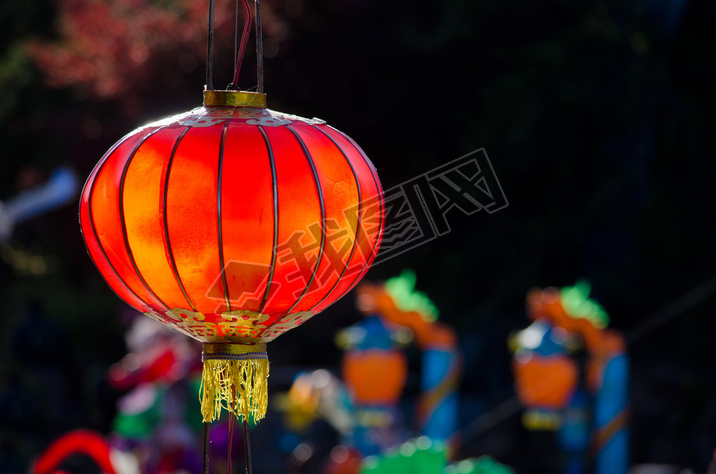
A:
[195, 220]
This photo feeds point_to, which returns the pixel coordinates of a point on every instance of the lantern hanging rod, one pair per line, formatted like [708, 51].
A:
[210, 50]
[239, 56]
[259, 50]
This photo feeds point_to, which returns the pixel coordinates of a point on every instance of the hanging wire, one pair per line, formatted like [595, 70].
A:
[236, 35]
[244, 41]
[259, 49]
[247, 446]
[205, 457]
[671, 310]
[231, 442]
[238, 55]
[210, 50]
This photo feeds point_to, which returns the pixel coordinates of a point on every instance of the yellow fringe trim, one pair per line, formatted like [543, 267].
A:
[237, 386]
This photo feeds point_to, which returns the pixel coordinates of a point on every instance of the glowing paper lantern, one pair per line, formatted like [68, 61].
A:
[233, 223]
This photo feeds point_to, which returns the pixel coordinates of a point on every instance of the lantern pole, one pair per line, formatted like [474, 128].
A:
[259, 50]
[210, 50]
[237, 57]
[205, 462]
[230, 443]
[247, 446]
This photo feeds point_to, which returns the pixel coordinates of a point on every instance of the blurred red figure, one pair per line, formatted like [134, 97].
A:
[162, 373]
[90, 444]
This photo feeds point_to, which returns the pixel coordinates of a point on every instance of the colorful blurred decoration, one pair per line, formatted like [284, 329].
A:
[232, 224]
[481, 465]
[155, 430]
[397, 305]
[541, 353]
[318, 394]
[162, 374]
[374, 371]
[589, 410]
[415, 456]
[343, 460]
[59, 190]
[87, 443]
[363, 406]
[425, 456]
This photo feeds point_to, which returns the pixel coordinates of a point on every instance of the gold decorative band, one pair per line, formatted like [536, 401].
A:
[234, 99]
[211, 351]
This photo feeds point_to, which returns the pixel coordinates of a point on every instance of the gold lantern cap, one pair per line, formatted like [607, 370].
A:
[232, 98]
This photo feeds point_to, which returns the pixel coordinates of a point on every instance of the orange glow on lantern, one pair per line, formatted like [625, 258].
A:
[233, 224]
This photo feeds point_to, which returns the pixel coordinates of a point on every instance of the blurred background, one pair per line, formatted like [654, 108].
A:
[598, 118]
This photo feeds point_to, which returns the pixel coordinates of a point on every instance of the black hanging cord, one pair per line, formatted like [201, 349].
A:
[205, 462]
[259, 50]
[210, 50]
[247, 447]
[238, 57]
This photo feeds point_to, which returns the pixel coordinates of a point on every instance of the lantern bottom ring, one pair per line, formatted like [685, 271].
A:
[212, 351]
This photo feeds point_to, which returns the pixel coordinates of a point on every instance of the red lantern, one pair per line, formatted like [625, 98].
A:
[233, 223]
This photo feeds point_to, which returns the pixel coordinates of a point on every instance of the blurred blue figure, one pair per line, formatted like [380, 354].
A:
[59, 190]
[547, 375]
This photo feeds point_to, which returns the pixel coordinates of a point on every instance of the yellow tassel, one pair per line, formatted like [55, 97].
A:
[234, 379]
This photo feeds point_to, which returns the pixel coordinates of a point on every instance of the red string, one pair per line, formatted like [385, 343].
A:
[231, 439]
[244, 41]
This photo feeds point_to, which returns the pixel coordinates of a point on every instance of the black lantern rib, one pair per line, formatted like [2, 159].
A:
[358, 220]
[165, 221]
[99, 168]
[124, 223]
[274, 250]
[222, 263]
[378, 187]
[323, 215]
